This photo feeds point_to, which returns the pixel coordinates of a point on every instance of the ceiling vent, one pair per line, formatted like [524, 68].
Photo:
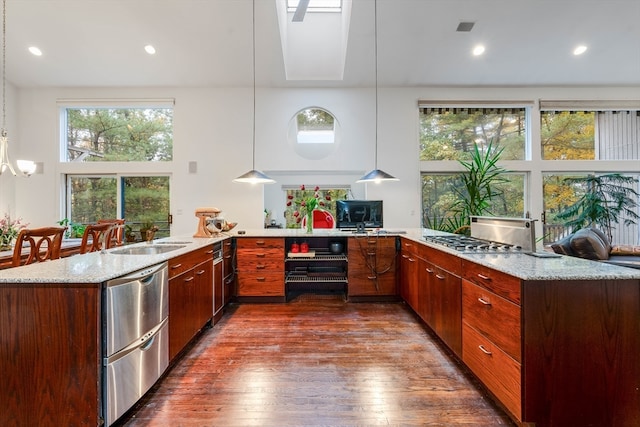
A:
[465, 27]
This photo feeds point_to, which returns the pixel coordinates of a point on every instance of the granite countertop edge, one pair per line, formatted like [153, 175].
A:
[97, 267]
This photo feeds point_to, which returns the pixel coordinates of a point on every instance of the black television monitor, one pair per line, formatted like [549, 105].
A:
[351, 213]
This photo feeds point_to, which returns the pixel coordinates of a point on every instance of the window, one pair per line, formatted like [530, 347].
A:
[590, 135]
[559, 194]
[295, 193]
[447, 132]
[118, 134]
[143, 199]
[314, 133]
[439, 195]
[315, 126]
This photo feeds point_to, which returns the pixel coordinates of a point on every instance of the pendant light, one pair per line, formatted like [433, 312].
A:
[254, 176]
[26, 167]
[376, 175]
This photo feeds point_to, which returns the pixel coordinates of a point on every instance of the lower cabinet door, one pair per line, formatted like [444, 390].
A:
[497, 370]
[260, 284]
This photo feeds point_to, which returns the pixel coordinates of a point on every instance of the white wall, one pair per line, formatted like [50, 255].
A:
[213, 126]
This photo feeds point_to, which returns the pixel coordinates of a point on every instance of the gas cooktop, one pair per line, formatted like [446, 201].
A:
[492, 235]
[472, 244]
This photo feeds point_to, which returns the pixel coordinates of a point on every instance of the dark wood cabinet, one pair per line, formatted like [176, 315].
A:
[431, 285]
[228, 270]
[260, 267]
[410, 283]
[50, 355]
[190, 297]
[372, 266]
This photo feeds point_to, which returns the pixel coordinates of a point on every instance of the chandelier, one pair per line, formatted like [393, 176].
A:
[26, 167]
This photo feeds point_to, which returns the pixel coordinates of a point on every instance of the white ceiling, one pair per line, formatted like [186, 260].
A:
[209, 43]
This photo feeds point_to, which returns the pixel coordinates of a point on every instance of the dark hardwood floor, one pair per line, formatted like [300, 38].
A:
[316, 362]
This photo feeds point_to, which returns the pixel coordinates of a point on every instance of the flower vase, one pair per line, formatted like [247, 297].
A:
[309, 222]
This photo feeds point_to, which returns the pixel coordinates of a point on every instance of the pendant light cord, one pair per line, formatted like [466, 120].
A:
[375, 39]
[4, 67]
[253, 64]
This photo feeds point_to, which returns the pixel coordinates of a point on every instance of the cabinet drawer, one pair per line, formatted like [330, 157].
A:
[260, 284]
[500, 283]
[362, 284]
[493, 316]
[260, 259]
[446, 261]
[258, 242]
[182, 263]
[497, 371]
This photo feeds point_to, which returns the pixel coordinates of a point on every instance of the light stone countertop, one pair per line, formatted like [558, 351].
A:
[97, 267]
[520, 265]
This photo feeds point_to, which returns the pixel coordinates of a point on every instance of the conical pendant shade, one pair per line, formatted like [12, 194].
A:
[377, 175]
[254, 177]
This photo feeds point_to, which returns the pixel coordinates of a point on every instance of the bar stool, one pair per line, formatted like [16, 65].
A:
[118, 231]
[43, 244]
[97, 235]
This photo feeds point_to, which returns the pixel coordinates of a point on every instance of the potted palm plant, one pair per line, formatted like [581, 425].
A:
[606, 198]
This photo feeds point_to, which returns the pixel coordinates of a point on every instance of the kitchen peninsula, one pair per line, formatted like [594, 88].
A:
[554, 340]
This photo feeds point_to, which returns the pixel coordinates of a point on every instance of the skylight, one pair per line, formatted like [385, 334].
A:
[316, 5]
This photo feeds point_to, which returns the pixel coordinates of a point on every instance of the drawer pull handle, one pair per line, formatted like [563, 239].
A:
[189, 279]
[200, 273]
[484, 350]
[484, 301]
[260, 255]
[260, 266]
[210, 252]
[260, 279]
[227, 256]
[260, 243]
[439, 276]
[483, 277]
[429, 270]
[176, 266]
[405, 256]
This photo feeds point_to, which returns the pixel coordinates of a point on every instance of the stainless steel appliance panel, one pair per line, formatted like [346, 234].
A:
[135, 304]
[131, 372]
[513, 231]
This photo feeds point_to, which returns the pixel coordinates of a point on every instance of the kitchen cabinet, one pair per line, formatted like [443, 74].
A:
[410, 277]
[431, 285]
[50, 354]
[190, 297]
[318, 270]
[228, 269]
[372, 267]
[491, 338]
[260, 267]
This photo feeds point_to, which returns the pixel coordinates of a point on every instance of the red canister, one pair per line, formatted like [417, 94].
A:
[304, 247]
[295, 248]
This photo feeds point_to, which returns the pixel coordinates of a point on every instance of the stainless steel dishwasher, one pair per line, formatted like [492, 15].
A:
[136, 337]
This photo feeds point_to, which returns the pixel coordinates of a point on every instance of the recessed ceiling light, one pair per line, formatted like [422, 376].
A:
[478, 50]
[150, 49]
[35, 51]
[579, 50]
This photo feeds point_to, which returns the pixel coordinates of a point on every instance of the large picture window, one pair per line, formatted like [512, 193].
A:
[448, 132]
[118, 134]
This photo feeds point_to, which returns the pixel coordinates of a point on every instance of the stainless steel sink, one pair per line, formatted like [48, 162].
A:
[147, 250]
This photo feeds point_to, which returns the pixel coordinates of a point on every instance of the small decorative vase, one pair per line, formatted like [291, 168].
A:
[309, 222]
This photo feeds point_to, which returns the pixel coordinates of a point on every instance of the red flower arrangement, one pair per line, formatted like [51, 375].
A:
[309, 200]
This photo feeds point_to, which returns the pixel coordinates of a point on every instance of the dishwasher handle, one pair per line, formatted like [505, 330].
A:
[145, 275]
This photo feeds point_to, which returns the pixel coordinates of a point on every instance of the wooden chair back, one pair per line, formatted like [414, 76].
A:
[43, 243]
[118, 231]
[97, 235]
